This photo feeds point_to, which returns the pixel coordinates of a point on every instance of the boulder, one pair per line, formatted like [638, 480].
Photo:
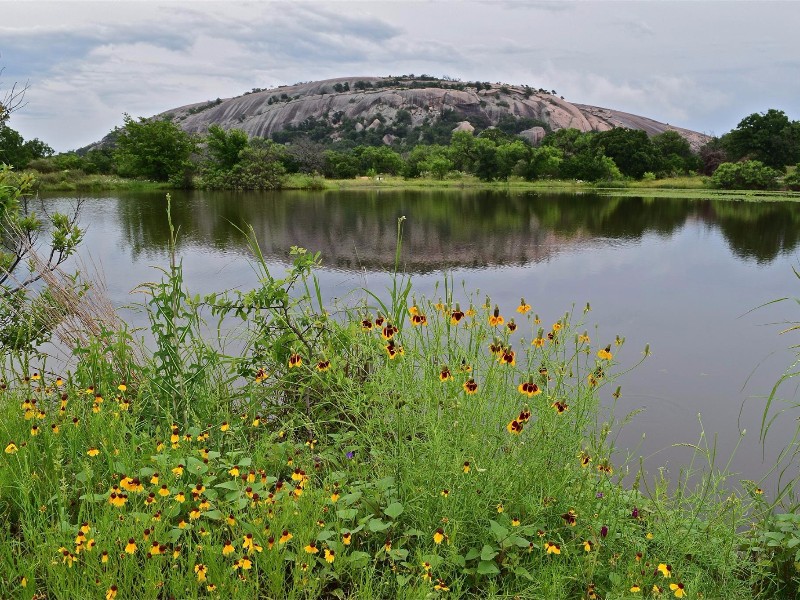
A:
[389, 139]
[464, 126]
[534, 135]
[374, 125]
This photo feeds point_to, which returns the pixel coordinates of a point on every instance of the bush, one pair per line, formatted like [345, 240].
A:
[748, 175]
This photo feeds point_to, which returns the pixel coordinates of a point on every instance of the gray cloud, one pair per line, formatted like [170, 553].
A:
[692, 64]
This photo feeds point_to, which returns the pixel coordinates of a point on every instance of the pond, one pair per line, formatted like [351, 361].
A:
[682, 275]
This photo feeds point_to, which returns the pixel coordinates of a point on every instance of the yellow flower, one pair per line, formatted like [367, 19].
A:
[677, 589]
[334, 497]
[311, 548]
[224, 427]
[227, 549]
[201, 570]
[295, 360]
[111, 593]
[635, 589]
[347, 537]
[605, 353]
[438, 536]
[515, 522]
[552, 548]
[588, 546]
[131, 547]
[500, 508]
[11, 448]
[523, 306]
[665, 570]
[285, 537]
[330, 556]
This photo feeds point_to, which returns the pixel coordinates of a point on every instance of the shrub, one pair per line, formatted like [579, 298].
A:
[747, 175]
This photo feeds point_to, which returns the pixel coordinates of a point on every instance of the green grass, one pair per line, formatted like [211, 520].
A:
[380, 454]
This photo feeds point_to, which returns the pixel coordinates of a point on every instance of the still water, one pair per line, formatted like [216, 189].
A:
[682, 275]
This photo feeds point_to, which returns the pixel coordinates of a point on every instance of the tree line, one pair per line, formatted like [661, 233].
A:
[753, 155]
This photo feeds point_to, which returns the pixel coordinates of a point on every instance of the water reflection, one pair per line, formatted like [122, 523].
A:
[445, 229]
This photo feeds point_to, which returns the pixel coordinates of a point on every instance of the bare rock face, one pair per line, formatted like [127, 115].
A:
[263, 113]
[359, 127]
[388, 139]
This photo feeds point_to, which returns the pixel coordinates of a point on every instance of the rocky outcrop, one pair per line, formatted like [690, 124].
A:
[363, 99]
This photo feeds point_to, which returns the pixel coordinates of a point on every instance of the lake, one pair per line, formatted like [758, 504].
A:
[682, 275]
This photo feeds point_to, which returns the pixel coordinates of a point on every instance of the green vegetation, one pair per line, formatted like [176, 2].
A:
[396, 447]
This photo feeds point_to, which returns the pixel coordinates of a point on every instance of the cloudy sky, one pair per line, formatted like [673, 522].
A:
[700, 65]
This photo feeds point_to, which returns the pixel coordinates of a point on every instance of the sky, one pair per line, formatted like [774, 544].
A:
[699, 65]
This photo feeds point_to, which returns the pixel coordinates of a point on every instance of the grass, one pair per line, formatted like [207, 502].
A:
[402, 447]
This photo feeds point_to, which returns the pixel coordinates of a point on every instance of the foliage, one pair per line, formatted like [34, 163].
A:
[154, 149]
[769, 137]
[17, 152]
[352, 459]
[747, 175]
[223, 148]
[28, 315]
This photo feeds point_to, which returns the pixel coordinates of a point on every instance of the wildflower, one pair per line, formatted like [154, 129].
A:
[677, 589]
[758, 491]
[330, 555]
[366, 325]
[295, 360]
[511, 326]
[178, 471]
[257, 421]
[393, 350]
[304, 567]
[35, 430]
[230, 520]
[155, 549]
[11, 448]
[605, 353]
[418, 320]
[441, 586]
[117, 500]
[552, 548]
[387, 545]
[379, 321]
[211, 587]
[635, 589]
[444, 493]
[657, 591]
[515, 522]
[523, 307]
[311, 548]
[335, 497]
[347, 537]
[131, 547]
[538, 341]
[557, 326]
[585, 459]
[438, 536]
[104, 556]
[285, 537]
[496, 318]
[456, 316]
[588, 546]
[529, 388]
[514, 427]
[635, 513]
[665, 570]
[111, 593]
[561, 407]
[496, 347]
[234, 471]
[584, 338]
[470, 387]
[201, 570]
[323, 365]
[180, 498]
[465, 368]
[471, 312]
[466, 467]
[508, 357]
[163, 491]
[194, 514]
[388, 332]
[225, 426]
[445, 375]
[591, 594]
[604, 531]
[570, 518]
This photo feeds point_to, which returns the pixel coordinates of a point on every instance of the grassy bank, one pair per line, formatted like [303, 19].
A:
[683, 187]
[399, 447]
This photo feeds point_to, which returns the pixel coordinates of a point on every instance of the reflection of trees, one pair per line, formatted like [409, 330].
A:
[444, 228]
[759, 231]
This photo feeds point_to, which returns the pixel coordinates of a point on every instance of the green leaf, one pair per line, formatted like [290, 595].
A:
[488, 552]
[228, 485]
[523, 572]
[472, 554]
[394, 510]
[487, 567]
[347, 514]
[498, 530]
[214, 515]
[378, 525]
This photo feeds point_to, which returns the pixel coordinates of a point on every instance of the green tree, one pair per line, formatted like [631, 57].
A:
[155, 149]
[589, 165]
[224, 147]
[260, 166]
[675, 155]
[630, 149]
[768, 137]
[509, 155]
[18, 153]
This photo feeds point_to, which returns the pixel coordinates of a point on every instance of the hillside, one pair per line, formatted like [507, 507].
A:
[405, 109]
